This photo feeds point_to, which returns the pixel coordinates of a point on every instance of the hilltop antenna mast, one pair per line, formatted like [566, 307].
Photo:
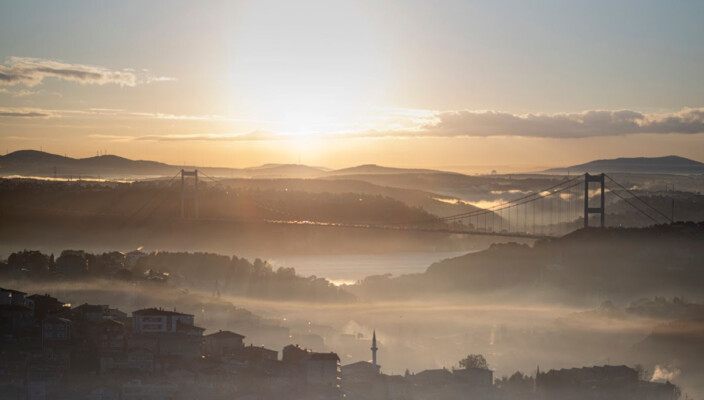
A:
[188, 194]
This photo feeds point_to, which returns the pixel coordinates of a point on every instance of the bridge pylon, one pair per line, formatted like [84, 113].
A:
[593, 210]
[187, 194]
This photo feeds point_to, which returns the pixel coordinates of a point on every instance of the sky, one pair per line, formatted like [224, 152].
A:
[469, 86]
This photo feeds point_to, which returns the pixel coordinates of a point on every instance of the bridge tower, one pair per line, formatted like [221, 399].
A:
[593, 210]
[189, 194]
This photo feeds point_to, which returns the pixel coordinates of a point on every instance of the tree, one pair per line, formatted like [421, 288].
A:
[517, 383]
[643, 374]
[474, 361]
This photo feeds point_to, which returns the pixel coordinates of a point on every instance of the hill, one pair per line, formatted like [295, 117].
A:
[642, 165]
[428, 201]
[373, 169]
[38, 163]
[588, 263]
[42, 164]
[274, 171]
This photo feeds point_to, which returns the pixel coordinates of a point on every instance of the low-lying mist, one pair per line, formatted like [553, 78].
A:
[592, 298]
[512, 333]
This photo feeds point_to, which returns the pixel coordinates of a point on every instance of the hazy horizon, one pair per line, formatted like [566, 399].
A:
[476, 86]
[508, 251]
[464, 169]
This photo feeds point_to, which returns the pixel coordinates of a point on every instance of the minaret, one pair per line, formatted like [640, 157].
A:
[374, 349]
[535, 381]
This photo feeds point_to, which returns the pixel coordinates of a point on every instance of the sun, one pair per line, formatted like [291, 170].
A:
[310, 118]
[311, 112]
[305, 74]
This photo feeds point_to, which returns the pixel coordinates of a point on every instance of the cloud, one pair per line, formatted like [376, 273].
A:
[401, 123]
[17, 138]
[150, 79]
[252, 136]
[180, 117]
[564, 125]
[32, 71]
[257, 135]
[27, 92]
[110, 138]
[24, 113]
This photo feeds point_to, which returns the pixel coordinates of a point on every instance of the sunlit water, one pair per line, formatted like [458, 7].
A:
[341, 269]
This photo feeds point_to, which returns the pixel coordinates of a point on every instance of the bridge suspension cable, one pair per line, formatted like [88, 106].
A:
[625, 200]
[156, 195]
[639, 199]
[264, 206]
[560, 198]
[513, 203]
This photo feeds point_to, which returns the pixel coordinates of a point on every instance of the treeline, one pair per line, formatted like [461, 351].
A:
[239, 276]
[211, 273]
[614, 263]
[161, 201]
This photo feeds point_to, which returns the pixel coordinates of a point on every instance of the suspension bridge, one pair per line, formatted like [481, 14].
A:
[554, 211]
[570, 204]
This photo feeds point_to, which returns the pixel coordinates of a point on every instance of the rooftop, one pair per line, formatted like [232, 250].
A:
[42, 296]
[224, 335]
[188, 327]
[324, 356]
[158, 311]
[597, 369]
[56, 319]
[11, 291]
[85, 307]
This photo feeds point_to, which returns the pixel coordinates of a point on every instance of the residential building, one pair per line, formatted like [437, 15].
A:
[223, 343]
[157, 320]
[45, 305]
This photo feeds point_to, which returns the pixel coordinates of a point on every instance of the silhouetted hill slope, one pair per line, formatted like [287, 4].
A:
[615, 263]
[41, 164]
[33, 156]
[644, 165]
[373, 169]
[456, 185]
[675, 351]
[414, 198]
[195, 271]
[37, 163]
[681, 339]
[270, 171]
[157, 201]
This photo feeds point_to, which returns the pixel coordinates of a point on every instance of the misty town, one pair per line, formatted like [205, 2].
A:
[53, 349]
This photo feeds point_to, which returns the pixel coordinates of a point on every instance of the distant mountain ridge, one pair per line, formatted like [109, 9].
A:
[644, 165]
[42, 164]
[38, 163]
[373, 169]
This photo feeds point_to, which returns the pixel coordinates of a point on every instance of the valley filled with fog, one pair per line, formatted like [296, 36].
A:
[325, 263]
[550, 310]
